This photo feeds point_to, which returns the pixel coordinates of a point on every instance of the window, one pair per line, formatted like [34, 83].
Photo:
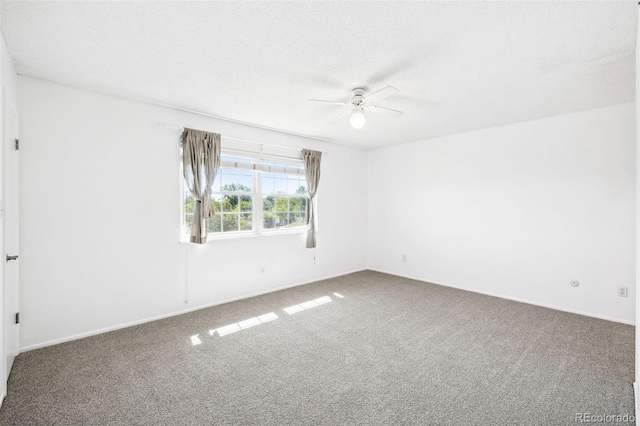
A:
[233, 196]
[284, 198]
[252, 196]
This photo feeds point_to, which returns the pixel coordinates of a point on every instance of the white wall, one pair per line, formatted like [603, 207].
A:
[99, 184]
[516, 211]
[8, 84]
[9, 76]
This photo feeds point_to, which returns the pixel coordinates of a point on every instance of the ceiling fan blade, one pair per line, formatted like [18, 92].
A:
[339, 115]
[381, 94]
[327, 102]
[384, 111]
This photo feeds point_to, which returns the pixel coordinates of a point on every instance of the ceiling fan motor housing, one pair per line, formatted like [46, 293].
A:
[357, 99]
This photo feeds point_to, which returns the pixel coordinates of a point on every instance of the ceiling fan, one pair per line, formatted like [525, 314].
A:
[361, 103]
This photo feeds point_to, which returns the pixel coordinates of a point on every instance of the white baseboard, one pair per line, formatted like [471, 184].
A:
[515, 299]
[174, 313]
[2, 398]
[635, 396]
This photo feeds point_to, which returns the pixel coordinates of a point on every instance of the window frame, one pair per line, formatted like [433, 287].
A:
[257, 195]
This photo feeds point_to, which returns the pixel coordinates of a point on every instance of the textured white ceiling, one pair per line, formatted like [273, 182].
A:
[459, 66]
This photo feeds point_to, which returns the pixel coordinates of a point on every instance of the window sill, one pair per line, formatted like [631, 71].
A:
[234, 236]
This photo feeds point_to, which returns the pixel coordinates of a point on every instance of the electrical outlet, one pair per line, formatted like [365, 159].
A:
[263, 269]
[404, 257]
[623, 291]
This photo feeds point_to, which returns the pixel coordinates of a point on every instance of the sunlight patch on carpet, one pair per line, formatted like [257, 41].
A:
[243, 325]
[307, 305]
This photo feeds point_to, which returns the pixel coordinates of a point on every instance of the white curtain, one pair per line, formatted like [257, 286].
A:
[312, 173]
[201, 160]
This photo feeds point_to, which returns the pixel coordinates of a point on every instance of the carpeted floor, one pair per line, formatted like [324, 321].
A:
[391, 351]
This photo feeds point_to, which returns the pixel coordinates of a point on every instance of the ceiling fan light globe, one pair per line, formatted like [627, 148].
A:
[357, 120]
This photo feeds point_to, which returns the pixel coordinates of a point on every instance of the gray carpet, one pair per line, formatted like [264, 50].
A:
[392, 351]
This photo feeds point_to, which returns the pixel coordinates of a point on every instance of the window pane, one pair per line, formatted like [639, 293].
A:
[293, 185]
[297, 219]
[297, 204]
[282, 204]
[282, 212]
[302, 187]
[230, 203]
[189, 202]
[217, 203]
[269, 220]
[188, 220]
[246, 203]
[213, 223]
[225, 176]
[281, 184]
[246, 222]
[282, 219]
[230, 222]
[244, 183]
[268, 183]
[268, 203]
[234, 180]
[268, 208]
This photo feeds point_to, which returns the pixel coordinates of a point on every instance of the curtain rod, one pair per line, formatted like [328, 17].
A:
[263, 153]
[262, 144]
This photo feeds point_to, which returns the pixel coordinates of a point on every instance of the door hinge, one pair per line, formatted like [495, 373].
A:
[17, 144]
[17, 317]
